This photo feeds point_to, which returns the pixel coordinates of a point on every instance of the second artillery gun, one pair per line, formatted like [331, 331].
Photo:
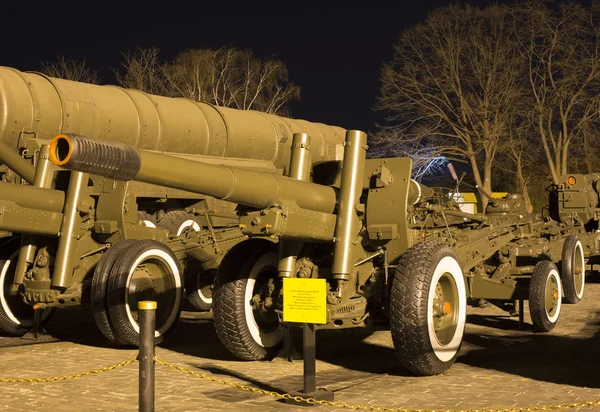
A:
[387, 249]
[65, 223]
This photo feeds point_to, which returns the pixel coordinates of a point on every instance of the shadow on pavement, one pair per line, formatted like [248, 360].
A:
[503, 322]
[195, 335]
[540, 356]
[347, 348]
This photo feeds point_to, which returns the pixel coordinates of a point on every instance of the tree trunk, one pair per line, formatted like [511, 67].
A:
[487, 181]
[551, 163]
[522, 184]
[481, 200]
[565, 156]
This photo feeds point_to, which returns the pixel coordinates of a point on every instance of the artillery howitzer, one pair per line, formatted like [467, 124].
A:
[71, 227]
[383, 246]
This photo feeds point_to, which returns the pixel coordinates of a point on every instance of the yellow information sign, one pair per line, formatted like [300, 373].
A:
[304, 300]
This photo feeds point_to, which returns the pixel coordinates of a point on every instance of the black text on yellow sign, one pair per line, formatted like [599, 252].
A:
[304, 300]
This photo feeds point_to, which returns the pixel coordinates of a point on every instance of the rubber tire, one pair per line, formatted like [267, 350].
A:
[194, 286]
[175, 221]
[124, 329]
[148, 219]
[412, 334]
[229, 301]
[537, 291]
[9, 252]
[571, 246]
[99, 299]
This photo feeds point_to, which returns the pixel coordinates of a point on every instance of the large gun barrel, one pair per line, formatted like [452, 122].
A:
[121, 161]
[35, 105]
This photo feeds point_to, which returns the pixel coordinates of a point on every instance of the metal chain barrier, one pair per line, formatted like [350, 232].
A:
[71, 376]
[299, 399]
[313, 401]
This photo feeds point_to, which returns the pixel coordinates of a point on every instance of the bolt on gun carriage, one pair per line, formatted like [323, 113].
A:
[385, 249]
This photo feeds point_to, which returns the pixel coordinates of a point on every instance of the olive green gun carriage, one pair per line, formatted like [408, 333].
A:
[80, 238]
[389, 251]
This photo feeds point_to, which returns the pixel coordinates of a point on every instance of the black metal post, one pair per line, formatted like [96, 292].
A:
[310, 358]
[521, 314]
[147, 320]
[287, 343]
[310, 370]
[37, 321]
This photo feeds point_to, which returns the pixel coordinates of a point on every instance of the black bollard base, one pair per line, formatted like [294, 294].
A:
[38, 334]
[320, 394]
[284, 356]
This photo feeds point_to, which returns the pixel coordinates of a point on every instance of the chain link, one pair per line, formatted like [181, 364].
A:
[313, 401]
[65, 377]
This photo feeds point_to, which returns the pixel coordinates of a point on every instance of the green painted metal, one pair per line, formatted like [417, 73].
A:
[64, 261]
[576, 195]
[19, 219]
[301, 157]
[348, 223]
[352, 222]
[247, 187]
[33, 197]
[300, 169]
[254, 189]
[35, 108]
[14, 161]
[45, 106]
[43, 178]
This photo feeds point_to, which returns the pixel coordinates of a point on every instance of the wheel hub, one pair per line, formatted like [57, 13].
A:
[447, 308]
[444, 313]
[151, 280]
[552, 295]
[143, 287]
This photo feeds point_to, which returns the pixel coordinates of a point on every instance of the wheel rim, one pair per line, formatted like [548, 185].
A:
[148, 223]
[19, 312]
[445, 309]
[188, 223]
[446, 312]
[204, 292]
[154, 276]
[262, 322]
[552, 296]
[578, 270]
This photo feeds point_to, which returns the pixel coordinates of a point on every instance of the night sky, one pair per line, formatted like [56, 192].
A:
[333, 54]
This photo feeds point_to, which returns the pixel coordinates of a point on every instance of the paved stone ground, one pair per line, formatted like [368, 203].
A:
[499, 366]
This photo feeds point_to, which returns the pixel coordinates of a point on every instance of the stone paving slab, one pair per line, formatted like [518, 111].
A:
[499, 366]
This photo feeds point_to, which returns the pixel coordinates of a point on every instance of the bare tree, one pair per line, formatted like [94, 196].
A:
[562, 49]
[227, 77]
[70, 69]
[452, 86]
[585, 155]
[520, 155]
[143, 70]
[428, 162]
